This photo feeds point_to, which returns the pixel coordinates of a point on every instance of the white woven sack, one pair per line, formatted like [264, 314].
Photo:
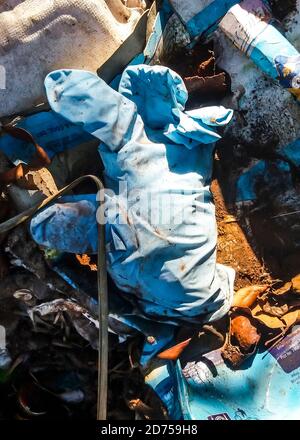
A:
[37, 37]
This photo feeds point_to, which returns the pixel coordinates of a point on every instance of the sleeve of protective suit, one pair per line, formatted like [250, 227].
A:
[72, 94]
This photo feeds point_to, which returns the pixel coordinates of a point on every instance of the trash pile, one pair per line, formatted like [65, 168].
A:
[150, 240]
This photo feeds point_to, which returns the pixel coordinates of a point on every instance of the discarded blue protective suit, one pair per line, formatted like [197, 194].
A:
[161, 229]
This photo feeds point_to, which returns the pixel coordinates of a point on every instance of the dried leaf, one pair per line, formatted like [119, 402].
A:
[207, 67]
[275, 310]
[247, 296]
[284, 290]
[145, 410]
[291, 318]
[85, 260]
[174, 352]
[296, 284]
[284, 322]
[244, 332]
[271, 322]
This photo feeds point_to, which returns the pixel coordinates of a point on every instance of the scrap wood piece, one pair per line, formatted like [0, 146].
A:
[215, 83]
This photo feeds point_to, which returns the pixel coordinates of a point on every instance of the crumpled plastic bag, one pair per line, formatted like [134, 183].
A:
[161, 228]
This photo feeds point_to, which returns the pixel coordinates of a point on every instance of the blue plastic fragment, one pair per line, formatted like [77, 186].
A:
[50, 130]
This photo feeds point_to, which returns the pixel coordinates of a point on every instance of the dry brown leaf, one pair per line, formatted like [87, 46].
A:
[269, 321]
[247, 296]
[273, 322]
[275, 310]
[244, 332]
[296, 284]
[85, 260]
[291, 318]
[284, 290]
[174, 352]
